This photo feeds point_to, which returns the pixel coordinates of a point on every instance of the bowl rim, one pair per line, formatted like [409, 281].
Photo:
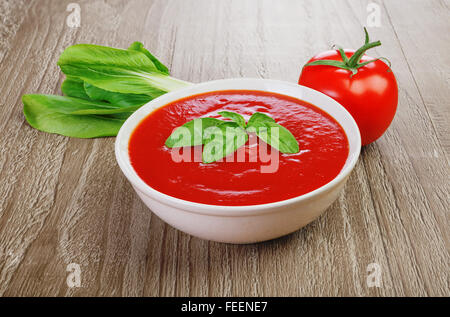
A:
[224, 210]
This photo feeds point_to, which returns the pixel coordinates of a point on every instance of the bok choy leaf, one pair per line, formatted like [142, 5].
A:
[74, 87]
[115, 98]
[116, 70]
[104, 86]
[73, 117]
[138, 46]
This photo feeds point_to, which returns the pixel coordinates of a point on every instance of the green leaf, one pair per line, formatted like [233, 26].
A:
[191, 133]
[236, 117]
[115, 98]
[104, 86]
[272, 133]
[76, 106]
[96, 55]
[74, 87]
[222, 140]
[55, 114]
[123, 80]
[256, 118]
[116, 70]
[138, 46]
[70, 105]
[278, 137]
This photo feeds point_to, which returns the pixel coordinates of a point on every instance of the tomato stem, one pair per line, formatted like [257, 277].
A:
[367, 36]
[356, 57]
[353, 63]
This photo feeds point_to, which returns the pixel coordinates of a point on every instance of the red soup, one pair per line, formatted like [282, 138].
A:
[323, 151]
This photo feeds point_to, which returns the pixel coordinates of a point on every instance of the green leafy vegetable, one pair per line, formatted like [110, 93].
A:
[191, 133]
[104, 86]
[236, 117]
[74, 87]
[96, 55]
[71, 116]
[272, 133]
[115, 98]
[138, 46]
[116, 70]
[70, 105]
[257, 118]
[221, 138]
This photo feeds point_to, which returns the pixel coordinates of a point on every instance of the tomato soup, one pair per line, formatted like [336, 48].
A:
[323, 151]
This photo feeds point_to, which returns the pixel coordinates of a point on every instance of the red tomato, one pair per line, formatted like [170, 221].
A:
[370, 95]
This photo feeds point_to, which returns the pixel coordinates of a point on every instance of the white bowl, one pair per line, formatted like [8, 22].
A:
[241, 224]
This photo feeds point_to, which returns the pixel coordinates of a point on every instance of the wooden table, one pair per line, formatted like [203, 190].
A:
[65, 200]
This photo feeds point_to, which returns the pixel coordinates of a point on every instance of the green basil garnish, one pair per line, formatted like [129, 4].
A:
[272, 133]
[236, 117]
[221, 138]
[191, 133]
[258, 117]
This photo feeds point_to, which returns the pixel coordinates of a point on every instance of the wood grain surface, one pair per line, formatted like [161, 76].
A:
[65, 200]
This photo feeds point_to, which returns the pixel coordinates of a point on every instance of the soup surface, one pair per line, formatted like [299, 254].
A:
[323, 151]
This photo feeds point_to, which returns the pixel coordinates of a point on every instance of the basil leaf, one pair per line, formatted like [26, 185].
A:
[223, 140]
[54, 114]
[272, 133]
[74, 87]
[277, 136]
[257, 118]
[138, 46]
[236, 117]
[191, 133]
[115, 98]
